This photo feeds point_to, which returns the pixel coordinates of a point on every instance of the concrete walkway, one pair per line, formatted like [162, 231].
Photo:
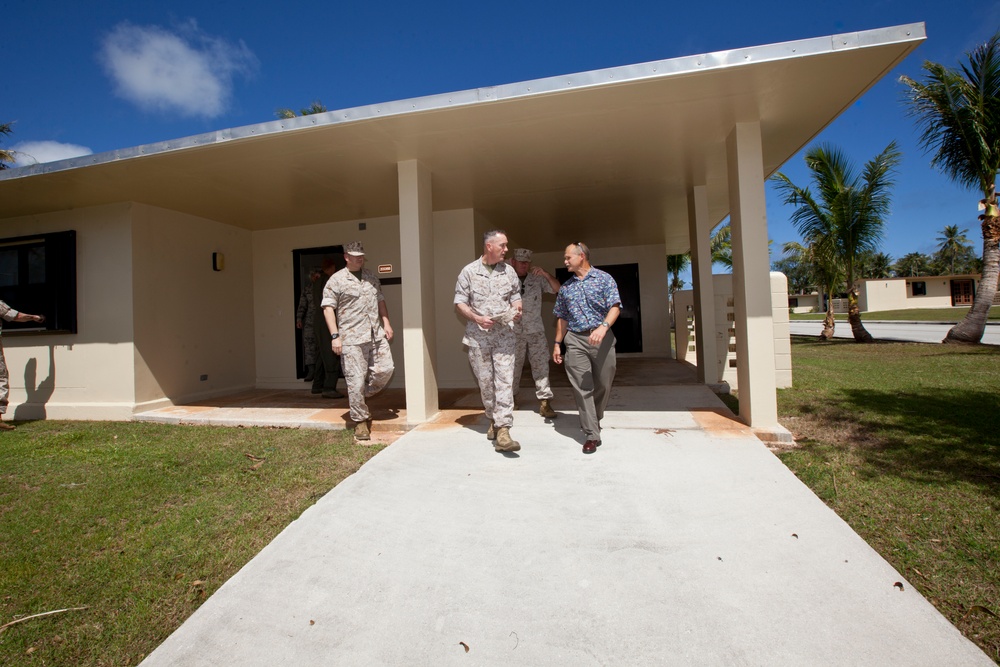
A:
[682, 541]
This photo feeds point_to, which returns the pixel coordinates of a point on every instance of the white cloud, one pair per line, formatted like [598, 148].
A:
[183, 71]
[33, 152]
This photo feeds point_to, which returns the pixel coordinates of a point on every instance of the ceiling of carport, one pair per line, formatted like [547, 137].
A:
[606, 156]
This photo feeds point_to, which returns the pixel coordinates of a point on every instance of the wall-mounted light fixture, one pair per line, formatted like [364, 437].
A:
[218, 261]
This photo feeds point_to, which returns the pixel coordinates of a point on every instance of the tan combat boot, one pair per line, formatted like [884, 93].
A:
[491, 432]
[362, 432]
[545, 410]
[504, 442]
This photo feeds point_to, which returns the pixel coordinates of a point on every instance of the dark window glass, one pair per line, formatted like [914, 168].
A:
[38, 276]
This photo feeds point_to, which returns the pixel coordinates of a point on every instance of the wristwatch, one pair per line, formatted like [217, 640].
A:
[605, 324]
[334, 336]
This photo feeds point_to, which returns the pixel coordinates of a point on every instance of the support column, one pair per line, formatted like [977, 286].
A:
[416, 239]
[706, 336]
[751, 279]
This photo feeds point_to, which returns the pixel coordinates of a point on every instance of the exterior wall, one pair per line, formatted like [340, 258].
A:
[724, 335]
[273, 290]
[805, 303]
[652, 261]
[897, 294]
[190, 321]
[87, 375]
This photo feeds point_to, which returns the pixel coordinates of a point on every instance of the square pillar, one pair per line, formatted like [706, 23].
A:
[754, 326]
[416, 240]
[706, 336]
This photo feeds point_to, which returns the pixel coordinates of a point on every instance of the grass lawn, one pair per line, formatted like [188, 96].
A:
[140, 523]
[902, 440]
[915, 314]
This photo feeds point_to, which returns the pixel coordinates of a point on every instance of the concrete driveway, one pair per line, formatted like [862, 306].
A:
[682, 541]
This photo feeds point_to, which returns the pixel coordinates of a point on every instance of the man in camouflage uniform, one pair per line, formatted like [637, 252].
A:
[530, 331]
[10, 315]
[304, 316]
[488, 295]
[358, 320]
[327, 370]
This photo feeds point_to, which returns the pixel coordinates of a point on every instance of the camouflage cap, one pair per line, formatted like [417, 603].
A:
[355, 248]
[522, 255]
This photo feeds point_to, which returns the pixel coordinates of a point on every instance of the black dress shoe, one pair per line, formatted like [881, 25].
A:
[590, 446]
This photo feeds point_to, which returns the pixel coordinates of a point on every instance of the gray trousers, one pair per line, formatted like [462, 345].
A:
[591, 370]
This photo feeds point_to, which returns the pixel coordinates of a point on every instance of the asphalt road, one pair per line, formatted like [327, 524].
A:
[917, 332]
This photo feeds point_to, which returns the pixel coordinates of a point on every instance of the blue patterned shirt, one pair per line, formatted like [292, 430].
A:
[584, 303]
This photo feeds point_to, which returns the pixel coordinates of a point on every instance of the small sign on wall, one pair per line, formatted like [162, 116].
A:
[385, 268]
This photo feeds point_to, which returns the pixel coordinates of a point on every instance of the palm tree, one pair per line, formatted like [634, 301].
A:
[876, 265]
[315, 107]
[913, 264]
[722, 247]
[824, 270]
[953, 248]
[6, 155]
[958, 112]
[848, 218]
[675, 264]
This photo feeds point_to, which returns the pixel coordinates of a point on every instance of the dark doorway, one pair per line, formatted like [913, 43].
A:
[628, 327]
[305, 261]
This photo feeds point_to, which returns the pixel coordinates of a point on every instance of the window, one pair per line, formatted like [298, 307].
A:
[919, 288]
[38, 276]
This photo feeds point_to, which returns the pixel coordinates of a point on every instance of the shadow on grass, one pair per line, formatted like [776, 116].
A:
[930, 436]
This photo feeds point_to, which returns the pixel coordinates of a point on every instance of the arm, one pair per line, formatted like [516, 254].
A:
[561, 330]
[25, 317]
[466, 311]
[553, 283]
[330, 315]
[383, 312]
[598, 334]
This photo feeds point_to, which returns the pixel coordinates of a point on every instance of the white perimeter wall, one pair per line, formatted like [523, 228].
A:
[88, 375]
[190, 321]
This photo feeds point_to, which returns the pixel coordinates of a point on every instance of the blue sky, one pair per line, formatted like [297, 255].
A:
[85, 77]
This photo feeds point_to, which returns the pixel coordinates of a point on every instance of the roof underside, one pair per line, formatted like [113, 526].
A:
[607, 156]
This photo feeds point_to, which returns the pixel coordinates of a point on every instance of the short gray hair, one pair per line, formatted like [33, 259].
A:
[492, 234]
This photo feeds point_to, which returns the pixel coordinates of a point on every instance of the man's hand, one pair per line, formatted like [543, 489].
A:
[557, 354]
[388, 331]
[484, 322]
[597, 335]
[337, 345]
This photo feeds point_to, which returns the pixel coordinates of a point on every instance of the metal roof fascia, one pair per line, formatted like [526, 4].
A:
[680, 66]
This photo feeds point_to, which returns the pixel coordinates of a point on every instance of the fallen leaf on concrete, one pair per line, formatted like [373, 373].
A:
[899, 585]
[465, 646]
[795, 535]
[312, 622]
[664, 431]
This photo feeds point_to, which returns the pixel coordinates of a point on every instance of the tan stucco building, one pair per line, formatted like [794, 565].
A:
[184, 252]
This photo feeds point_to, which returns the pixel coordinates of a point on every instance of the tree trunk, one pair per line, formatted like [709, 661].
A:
[972, 326]
[861, 334]
[828, 322]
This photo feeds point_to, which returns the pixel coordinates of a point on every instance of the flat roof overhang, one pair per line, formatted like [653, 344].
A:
[608, 155]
